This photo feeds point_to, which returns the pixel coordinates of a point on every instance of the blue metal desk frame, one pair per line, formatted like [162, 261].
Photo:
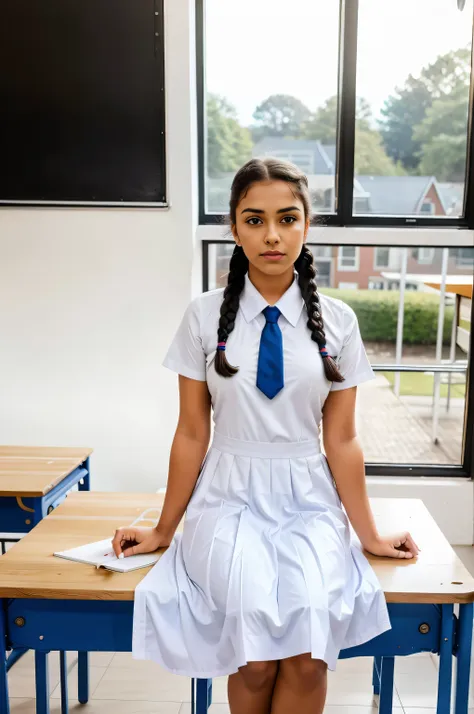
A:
[93, 625]
[12, 518]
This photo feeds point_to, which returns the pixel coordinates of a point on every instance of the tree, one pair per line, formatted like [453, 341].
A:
[408, 107]
[370, 156]
[229, 145]
[280, 115]
[442, 136]
[323, 123]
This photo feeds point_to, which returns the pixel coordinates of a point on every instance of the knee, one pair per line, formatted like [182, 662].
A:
[304, 673]
[259, 675]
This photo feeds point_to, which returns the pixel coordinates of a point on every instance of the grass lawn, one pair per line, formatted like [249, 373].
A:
[421, 385]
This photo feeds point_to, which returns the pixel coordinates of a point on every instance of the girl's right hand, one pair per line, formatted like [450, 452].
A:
[133, 541]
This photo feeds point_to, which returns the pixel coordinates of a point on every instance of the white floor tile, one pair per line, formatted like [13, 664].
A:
[95, 675]
[22, 706]
[137, 685]
[110, 706]
[354, 690]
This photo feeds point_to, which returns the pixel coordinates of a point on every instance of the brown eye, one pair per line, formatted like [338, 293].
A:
[254, 218]
[292, 219]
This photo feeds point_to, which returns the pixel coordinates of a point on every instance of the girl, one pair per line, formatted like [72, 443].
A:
[265, 583]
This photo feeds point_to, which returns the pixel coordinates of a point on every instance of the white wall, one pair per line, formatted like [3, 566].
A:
[89, 300]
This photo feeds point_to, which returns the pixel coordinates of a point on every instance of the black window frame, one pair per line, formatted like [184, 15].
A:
[345, 143]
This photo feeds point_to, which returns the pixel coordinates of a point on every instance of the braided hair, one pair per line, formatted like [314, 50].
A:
[264, 170]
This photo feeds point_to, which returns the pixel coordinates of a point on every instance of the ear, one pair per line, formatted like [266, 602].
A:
[306, 229]
[233, 228]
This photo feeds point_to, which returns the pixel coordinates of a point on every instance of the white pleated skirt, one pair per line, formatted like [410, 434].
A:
[265, 568]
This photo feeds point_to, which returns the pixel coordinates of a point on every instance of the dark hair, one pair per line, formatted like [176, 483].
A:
[276, 170]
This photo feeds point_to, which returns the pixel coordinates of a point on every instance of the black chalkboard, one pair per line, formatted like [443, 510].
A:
[82, 101]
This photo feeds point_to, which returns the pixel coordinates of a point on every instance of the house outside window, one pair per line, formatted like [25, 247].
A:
[348, 258]
[426, 256]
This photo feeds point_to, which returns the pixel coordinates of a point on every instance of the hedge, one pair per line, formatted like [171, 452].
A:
[377, 312]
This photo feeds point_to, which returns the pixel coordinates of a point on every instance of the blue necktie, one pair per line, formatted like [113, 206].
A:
[270, 358]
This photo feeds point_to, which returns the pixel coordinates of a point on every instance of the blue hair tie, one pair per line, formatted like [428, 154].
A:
[221, 346]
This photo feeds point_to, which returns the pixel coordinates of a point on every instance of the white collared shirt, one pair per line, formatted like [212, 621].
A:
[242, 411]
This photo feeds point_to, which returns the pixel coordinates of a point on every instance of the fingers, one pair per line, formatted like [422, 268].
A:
[123, 541]
[117, 541]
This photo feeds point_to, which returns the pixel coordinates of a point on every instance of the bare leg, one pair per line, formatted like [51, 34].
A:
[251, 688]
[300, 686]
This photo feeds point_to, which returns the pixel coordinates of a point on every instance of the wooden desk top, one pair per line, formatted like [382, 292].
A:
[28, 471]
[29, 570]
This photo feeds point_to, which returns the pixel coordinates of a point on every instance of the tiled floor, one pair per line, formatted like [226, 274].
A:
[121, 685]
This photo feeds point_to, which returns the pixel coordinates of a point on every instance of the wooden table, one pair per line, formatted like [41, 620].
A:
[33, 481]
[51, 604]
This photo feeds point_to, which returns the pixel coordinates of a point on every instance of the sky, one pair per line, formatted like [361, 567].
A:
[255, 48]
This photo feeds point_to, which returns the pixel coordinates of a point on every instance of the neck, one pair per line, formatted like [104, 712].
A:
[271, 287]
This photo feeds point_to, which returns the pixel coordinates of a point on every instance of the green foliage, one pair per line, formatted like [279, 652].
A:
[417, 118]
[370, 157]
[443, 136]
[229, 145]
[377, 312]
[280, 115]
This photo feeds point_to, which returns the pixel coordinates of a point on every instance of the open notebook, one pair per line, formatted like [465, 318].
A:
[101, 554]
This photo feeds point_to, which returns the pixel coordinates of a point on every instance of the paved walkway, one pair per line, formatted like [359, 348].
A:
[393, 430]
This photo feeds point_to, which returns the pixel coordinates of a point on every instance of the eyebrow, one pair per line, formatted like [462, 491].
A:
[281, 210]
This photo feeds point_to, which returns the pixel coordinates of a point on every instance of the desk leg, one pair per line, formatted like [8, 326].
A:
[42, 682]
[4, 705]
[376, 674]
[446, 649]
[463, 654]
[83, 677]
[64, 691]
[85, 485]
[386, 685]
[203, 695]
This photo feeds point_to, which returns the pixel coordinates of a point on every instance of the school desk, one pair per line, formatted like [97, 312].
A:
[33, 481]
[48, 604]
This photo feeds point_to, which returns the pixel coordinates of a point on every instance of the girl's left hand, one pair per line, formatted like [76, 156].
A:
[400, 545]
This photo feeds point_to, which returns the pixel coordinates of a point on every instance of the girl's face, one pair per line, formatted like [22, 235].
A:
[271, 226]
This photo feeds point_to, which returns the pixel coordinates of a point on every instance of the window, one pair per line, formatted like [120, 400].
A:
[427, 207]
[384, 147]
[382, 258]
[369, 168]
[279, 112]
[411, 123]
[426, 256]
[348, 258]
[423, 407]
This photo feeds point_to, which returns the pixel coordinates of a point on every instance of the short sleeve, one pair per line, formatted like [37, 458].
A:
[352, 361]
[186, 354]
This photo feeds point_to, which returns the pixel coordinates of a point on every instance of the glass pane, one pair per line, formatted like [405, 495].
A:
[261, 96]
[411, 124]
[410, 429]
[413, 420]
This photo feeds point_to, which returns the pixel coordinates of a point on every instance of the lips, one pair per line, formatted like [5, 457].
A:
[273, 253]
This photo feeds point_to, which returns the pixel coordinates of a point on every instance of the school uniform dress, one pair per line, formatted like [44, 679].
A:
[265, 568]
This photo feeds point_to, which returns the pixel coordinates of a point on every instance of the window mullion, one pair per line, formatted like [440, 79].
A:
[346, 109]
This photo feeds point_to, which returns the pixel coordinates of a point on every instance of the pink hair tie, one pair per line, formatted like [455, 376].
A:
[221, 346]
[323, 351]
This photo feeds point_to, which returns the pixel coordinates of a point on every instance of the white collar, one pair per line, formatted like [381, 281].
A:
[290, 304]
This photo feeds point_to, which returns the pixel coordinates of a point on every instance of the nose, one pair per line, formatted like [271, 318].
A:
[272, 238]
